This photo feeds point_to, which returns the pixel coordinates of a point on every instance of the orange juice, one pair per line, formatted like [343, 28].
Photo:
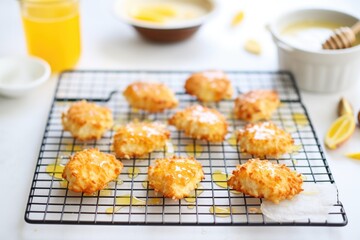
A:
[52, 31]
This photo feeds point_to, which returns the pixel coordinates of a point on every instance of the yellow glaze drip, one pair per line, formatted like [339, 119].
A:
[193, 151]
[55, 170]
[135, 110]
[63, 183]
[192, 196]
[300, 119]
[116, 127]
[232, 140]
[125, 201]
[220, 211]
[235, 192]
[72, 148]
[289, 129]
[154, 201]
[296, 149]
[220, 178]
[254, 210]
[106, 192]
[133, 172]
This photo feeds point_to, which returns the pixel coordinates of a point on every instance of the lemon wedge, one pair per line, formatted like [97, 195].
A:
[355, 155]
[340, 131]
[239, 16]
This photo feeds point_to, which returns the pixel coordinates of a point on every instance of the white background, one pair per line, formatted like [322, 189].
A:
[109, 44]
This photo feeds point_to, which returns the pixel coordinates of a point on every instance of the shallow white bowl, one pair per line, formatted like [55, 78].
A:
[166, 33]
[320, 70]
[20, 75]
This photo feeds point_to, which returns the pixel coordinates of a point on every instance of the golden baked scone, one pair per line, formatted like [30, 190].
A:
[138, 138]
[91, 170]
[263, 179]
[175, 177]
[151, 97]
[264, 138]
[201, 123]
[256, 105]
[209, 86]
[87, 121]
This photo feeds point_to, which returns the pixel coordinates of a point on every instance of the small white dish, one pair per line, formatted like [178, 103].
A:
[20, 75]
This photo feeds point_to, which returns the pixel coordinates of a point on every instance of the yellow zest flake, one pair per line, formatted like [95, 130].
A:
[253, 46]
[237, 19]
[355, 155]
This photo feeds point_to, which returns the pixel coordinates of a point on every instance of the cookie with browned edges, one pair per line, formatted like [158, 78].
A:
[209, 86]
[175, 177]
[256, 105]
[264, 179]
[87, 121]
[150, 96]
[201, 123]
[90, 170]
[264, 139]
[136, 139]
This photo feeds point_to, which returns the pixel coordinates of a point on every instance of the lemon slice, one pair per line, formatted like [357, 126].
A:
[355, 155]
[340, 131]
[237, 18]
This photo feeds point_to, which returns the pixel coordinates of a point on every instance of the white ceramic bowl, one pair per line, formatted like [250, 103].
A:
[169, 32]
[20, 75]
[317, 70]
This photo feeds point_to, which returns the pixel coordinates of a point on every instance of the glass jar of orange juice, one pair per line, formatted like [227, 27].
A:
[52, 31]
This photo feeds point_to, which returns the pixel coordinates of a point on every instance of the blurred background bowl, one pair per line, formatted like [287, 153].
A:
[317, 70]
[167, 32]
[21, 75]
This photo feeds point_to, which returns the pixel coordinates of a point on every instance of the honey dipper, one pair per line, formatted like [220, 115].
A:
[343, 37]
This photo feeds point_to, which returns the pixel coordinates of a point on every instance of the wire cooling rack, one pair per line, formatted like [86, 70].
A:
[129, 200]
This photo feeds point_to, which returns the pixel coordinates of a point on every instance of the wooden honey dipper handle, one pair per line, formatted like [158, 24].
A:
[356, 28]
[343, 37]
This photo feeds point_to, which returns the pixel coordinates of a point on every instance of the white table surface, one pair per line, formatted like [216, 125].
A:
[109, 44]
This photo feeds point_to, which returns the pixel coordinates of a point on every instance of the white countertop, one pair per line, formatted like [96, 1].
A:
[109, 44]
